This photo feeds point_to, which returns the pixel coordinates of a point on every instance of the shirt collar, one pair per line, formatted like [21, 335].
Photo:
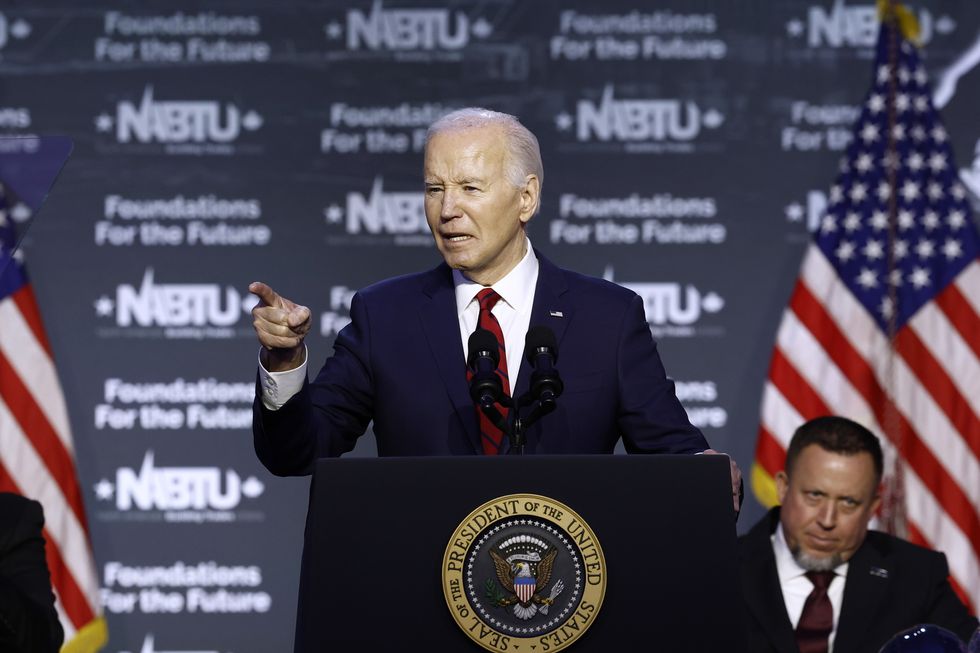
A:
[786, 565]
[516, 288]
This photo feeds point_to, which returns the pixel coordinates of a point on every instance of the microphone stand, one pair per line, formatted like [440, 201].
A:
[541, 352]
[514, 425]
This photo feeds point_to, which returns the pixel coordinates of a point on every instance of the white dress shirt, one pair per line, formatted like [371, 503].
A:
[513, 312]
[796, 586]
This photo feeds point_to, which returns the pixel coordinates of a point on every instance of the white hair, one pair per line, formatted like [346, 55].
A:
[524, 153]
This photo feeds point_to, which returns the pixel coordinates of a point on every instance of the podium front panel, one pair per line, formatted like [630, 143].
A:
[377, 530]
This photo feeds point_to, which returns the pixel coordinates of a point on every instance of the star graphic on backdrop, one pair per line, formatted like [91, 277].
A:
[333, 30]
[104, 490]
[20, 29]
[712, 118]
[333, 213]
[945, 24]
[563, 121]
[103, 122]
[481, 28]
[794, 27]
[794, 212]
[104, 306]
[252, 120]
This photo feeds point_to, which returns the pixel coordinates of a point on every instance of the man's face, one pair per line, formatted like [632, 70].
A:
[475, 212]
[826, 503]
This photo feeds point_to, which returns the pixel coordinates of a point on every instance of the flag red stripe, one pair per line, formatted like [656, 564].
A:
[940, 386]
[916, 537]
[814, 316]
[42, 436]
[795, 388]
[769, 453]
[947, 492]
[73, 601]
[27, 305]
[961, 315]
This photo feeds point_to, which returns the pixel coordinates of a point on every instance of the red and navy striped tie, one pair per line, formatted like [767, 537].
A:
[490, 435]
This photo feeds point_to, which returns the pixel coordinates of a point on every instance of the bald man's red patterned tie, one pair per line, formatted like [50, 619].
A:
[490, 435]
[817, 619]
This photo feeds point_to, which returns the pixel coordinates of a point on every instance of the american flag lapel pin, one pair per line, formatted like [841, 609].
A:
[879, 572]
[556, 314]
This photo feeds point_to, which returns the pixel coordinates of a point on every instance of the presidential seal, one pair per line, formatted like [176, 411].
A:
[524, 573]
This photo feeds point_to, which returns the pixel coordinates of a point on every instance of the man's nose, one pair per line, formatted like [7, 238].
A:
[827, 515]
[450, 207]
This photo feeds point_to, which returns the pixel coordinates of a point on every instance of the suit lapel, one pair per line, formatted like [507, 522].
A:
[550, 310]
[761, 589]
[441, 326]
[866, 588]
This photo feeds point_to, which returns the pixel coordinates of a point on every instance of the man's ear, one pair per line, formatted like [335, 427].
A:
[782, 485]
[876, 499]
[530, 198]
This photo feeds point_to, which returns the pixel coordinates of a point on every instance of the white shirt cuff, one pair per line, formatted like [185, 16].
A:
[279, 387]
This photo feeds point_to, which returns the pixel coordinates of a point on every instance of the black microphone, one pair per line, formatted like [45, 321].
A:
[484, 355]
[541, 351]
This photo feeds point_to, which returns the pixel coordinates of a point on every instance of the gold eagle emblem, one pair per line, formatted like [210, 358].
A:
[520, 583]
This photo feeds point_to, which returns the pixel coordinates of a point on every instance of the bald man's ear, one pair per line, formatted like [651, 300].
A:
[530, 198]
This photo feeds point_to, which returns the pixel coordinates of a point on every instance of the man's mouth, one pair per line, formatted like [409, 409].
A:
[822, 543]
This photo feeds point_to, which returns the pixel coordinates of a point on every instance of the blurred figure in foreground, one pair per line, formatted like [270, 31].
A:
[28, 620]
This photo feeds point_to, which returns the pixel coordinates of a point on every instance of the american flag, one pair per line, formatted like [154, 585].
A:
[36, 451]
[883, 325]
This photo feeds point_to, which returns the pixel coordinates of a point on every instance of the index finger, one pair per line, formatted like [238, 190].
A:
[264, 292]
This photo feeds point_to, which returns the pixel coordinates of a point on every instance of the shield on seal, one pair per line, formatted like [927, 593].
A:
[524, 587]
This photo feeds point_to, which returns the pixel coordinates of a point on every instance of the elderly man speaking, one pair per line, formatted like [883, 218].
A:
[402, 360]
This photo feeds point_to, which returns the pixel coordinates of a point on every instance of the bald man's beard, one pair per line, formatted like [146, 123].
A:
[813, 563]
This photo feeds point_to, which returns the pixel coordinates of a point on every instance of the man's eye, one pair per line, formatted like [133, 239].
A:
[432, 190]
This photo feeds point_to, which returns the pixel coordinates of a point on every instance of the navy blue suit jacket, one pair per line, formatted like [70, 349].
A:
[400, 362]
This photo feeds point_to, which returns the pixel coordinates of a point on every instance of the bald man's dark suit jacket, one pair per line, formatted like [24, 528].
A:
[400, 362]
[891, 585]
[28, 621]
